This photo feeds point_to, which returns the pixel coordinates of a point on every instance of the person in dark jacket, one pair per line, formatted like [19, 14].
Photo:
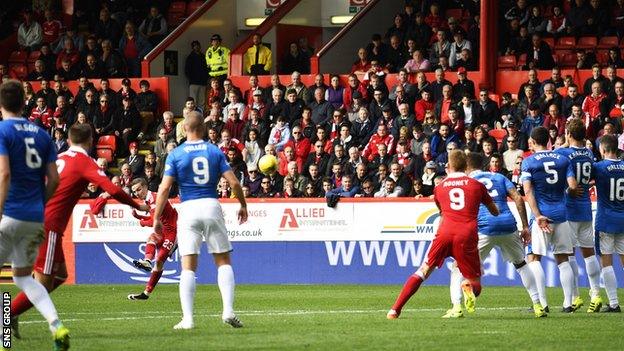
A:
[539, 55]
[154, 26]
[196, 71]
[127, 124]
[107, 28]
[487, 111]
[147, 105]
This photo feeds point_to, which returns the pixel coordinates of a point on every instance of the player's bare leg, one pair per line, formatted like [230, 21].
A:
[610, 281]
[593, 274]
[40, 298]
[225, 280]
[187, 291]
[540, 278]
[21, 303]
[409, 288]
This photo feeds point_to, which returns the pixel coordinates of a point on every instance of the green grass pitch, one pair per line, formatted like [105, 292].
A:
[330, 317]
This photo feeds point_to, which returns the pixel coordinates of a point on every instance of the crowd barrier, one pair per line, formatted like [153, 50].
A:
[292, 241]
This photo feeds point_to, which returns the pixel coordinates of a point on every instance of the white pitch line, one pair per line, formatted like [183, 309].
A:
[156, 314]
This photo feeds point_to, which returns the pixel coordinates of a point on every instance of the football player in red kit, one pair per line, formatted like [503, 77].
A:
[458, 198]
[165, 243]
[76, 170]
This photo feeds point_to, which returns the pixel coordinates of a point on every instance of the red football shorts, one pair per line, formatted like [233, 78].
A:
[167, 245]
[50, 255]
[463, 249]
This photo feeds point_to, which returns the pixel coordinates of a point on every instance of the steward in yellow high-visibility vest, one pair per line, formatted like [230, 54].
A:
[217, 58]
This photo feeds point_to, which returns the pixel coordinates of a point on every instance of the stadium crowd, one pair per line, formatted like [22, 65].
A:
[359, 139]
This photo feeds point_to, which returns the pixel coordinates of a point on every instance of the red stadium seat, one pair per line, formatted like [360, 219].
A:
[587, 43]
[455, 13]
[506, 62]
[550, 42]
[498, 134]
[193, 6]
[106, 147]
[602, 56]
[565, 43]
[567, 60]
[522, 60]
[18, 57]
[607, 42]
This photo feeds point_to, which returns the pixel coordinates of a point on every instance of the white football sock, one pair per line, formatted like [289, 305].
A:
[566, 277]
[593, 274]
[225, 280]
[575, 271]
[528, 280]
[540, 281]
[455, 286]
[610, 285]
[39, 297]
[187, 294]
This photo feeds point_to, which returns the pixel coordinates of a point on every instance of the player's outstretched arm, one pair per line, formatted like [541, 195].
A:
[573, 188]
[52, 180]
[5, 180]
[238, 193]
[161, 200]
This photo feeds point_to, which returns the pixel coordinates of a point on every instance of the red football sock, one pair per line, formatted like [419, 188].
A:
[411, 286]
[21, 303]
[153, 280]
[150, 249]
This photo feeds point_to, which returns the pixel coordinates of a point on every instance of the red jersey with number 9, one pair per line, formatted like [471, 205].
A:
[458, 198]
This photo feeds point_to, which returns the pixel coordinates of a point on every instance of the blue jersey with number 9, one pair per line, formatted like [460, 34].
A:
[197, 166]
[548, 171]
[29, 149]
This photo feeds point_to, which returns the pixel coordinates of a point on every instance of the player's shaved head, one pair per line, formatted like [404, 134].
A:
[609, 143]
[576, 129]
[540, 136]
[194, 123]
[80, 134]
[457, 161]
[12, 97]
[474, 160]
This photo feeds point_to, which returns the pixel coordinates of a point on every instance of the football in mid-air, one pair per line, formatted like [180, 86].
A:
[267, 164]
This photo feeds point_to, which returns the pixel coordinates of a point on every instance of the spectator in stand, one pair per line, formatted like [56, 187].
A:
[512, 153]
[487, 111]
[127, 124]
[217, 59]
[540, 54]
[380, 163]
[389, 189]
[112, 60]
[441, 139]
[520, 137]
[457, 46]
[381, 137]
[615, 58]
[533, 82]
[464, 115]
[133, 48]
[234, 124]
[83, 87]
[442, 106]
[537, 24]
[598, 20]
[417, 63]
[318, 158]
[258, 58]
[437, 85]
[29, 33]
[69, 53]
[29, 97]
[617, 19]
[345, 189]
[377, 50]
[420, 32]
[214, 91]
[556, 25]
[91, 47]
[519, 12]
[350, 99]
[319, 82]
[519, 44]
[322, 110]
[70, 33]
[40, 72]
[464, 86]
[465, 61]
[107, 28]
[556, 119]
[595, 77]
[275, 84]
[147, 105]
[591, 109]
[64, 114]
[399, 29]
[294, 61]
[301, 90]
[441, 48]
[584, 60]
[67, 72]
[534, 118]
[417, 141]
[280, 134]
[253, 86]
[408, 90]
[294, 107]
[404, 119]
[275, 108]
[154, 26]
[135, 160]
[105, 89]
[90, 104]
[334, 94]
[41, 115]
[94, 68]
[51, 27]
[396, 56]
[362, 65]
[235, 104]
[103, 119]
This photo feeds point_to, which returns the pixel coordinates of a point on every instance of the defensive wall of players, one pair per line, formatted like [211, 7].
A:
[298, 241]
